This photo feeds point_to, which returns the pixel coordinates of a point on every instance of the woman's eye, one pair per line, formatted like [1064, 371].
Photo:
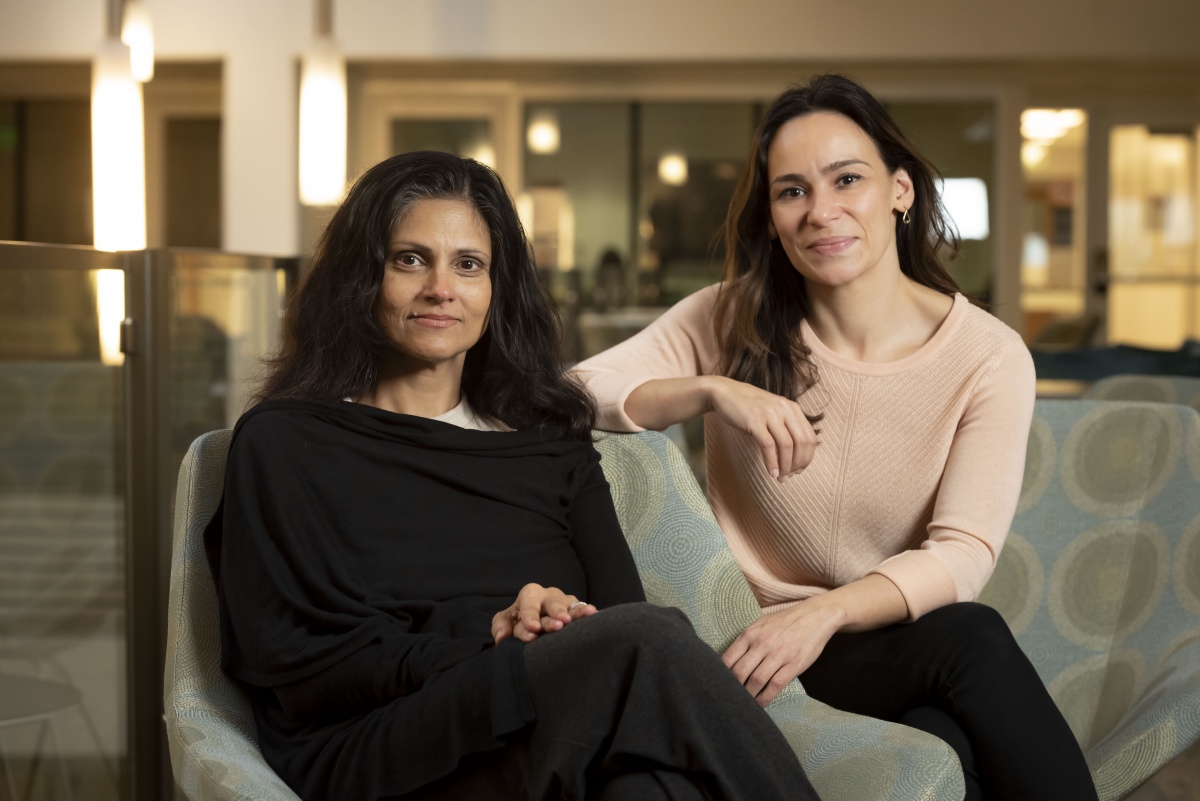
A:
[407, 259]
[791, 192]
[471, 266]
[849, 178]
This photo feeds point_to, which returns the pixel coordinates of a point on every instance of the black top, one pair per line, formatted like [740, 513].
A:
[359, 557]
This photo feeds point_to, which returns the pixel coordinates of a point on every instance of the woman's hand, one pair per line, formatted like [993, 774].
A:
[780, 646]
[538, 610]
[776, 424]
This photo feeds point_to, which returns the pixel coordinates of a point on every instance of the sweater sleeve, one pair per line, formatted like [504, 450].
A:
[679, 344]
[978, 494]
[608, 566]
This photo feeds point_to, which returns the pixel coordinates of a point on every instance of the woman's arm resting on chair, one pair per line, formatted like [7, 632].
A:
[781, 645]
[776, 424]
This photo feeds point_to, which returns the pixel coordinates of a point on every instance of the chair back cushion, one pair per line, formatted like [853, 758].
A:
[679, 549]
[1149, 388]
[1100, 577]
[210, 725]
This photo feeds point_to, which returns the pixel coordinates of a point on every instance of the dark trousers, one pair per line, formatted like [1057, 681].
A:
[958, 674]
[632, 706]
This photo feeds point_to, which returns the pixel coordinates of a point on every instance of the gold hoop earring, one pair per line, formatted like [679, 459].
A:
[906, 219]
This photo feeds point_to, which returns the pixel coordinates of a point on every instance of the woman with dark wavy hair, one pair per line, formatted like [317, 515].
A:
[865, 431]
[413, 515]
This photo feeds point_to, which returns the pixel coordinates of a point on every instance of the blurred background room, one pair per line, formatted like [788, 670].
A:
[167, 165]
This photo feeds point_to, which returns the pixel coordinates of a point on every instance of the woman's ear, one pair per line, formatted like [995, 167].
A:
[905, 195]
[771, 232]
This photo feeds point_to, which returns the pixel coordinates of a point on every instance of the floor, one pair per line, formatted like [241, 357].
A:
[1178, 781]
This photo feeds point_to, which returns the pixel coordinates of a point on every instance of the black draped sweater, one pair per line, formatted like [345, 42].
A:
[359, 557]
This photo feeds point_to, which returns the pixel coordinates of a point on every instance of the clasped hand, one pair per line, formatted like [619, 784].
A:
[776, 424]
[538, 610]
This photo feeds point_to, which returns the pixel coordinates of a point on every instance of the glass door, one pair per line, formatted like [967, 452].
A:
[1154, 278]
[1143, 260]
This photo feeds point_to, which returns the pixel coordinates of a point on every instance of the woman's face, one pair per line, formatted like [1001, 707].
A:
[833, 199]
[437, 284]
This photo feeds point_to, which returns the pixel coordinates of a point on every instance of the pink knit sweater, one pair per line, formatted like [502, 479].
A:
[916, 476]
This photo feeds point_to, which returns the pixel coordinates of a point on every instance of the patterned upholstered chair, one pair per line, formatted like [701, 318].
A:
[1101, 585]
[1150, 388]
[1100, 579]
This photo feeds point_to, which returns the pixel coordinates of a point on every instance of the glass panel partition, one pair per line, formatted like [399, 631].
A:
[110, 365]
[63, 719]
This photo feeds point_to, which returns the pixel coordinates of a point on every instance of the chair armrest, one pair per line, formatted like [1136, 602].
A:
[850, 757]
[1162, 721]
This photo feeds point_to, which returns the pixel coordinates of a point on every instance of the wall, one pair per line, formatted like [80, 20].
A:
[258, 42]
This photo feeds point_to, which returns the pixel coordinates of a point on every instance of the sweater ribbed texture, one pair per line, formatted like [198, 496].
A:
[916, 476]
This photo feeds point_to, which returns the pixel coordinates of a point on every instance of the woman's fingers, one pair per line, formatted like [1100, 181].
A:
[537, 610]
[804, 441]
[777, 425]
[577, 609]
[502, 625]
[777, 648]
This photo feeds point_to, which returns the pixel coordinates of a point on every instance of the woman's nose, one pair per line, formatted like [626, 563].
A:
[824, 207]
[438, 285]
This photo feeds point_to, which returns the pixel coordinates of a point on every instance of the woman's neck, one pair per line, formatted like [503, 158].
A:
[876, 323]
[429, 392]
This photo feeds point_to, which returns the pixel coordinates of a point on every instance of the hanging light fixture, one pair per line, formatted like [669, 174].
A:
[322, 115]
[118, 145]
[137, 32]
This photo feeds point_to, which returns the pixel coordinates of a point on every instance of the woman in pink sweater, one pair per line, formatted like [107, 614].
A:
[865, 428]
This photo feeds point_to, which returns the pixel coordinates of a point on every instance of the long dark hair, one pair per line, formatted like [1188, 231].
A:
[332, 341]
[763, 297]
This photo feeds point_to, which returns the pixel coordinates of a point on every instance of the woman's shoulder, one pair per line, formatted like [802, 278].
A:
[989, 339]
[973, 323]
[281, 413]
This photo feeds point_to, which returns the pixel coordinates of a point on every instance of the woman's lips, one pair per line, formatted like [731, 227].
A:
[832, 245]
[435, 320]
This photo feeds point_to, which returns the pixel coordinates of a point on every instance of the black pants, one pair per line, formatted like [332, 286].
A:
[958, 674]
[632, 706]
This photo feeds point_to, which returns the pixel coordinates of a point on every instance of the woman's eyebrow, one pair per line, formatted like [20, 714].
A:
[416, 247]
[794, 177]
[426, 251]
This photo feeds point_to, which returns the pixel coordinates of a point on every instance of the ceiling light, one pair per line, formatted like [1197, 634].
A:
[138, 34]
[118, 152]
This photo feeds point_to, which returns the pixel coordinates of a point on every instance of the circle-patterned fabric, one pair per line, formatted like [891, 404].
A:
[1041, 455]
[635, 486]
[1095, 694]
[1187, 568]
[1108, 581]
[1193, 446]
[1116, 460]
[1016, 587]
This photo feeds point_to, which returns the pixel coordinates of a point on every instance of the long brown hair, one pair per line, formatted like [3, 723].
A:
[332, 341]
[763, 297]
